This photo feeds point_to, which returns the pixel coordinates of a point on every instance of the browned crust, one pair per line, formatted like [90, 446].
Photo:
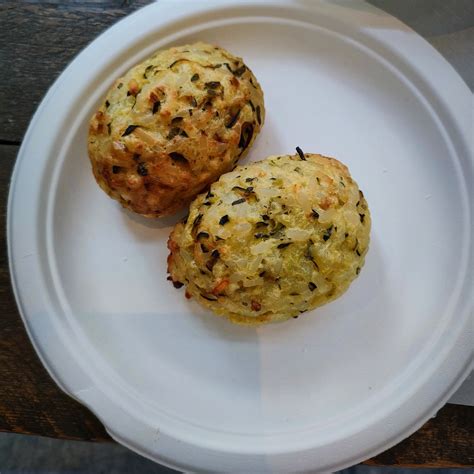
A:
[154, 159]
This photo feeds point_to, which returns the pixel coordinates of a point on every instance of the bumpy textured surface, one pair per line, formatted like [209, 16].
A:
[172, 125]
[273, 239]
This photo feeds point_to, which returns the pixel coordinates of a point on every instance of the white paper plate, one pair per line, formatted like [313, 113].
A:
[192, 391]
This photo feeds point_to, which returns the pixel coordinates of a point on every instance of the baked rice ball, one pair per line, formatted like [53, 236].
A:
[272, 239]
[172, 125]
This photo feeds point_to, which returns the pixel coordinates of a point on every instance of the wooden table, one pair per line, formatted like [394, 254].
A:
[38, 38]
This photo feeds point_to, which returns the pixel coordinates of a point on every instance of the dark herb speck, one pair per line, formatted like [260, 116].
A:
[300, 152]
[224, 219]
[147, 70]
[312, 286]
[195, 77]
[208, 298]
[173, 132]
[259, 117]
[175, 62]
[202, 235]
[212, 84]
[175, 156]
[233, 119]
[238, 201]
[238, 72]
[246, 135]
[284, 245]
[129, 130]
[327, 234]
[141, 169]
[196, 223]
[156, 107]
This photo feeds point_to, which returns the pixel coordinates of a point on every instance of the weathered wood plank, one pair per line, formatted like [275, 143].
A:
[444, 441]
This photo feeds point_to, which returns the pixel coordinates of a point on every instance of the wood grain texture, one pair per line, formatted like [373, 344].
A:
[444, 441]
[38, 39]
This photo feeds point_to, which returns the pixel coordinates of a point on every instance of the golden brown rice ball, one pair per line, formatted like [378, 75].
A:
[272, 239]
[172, 125]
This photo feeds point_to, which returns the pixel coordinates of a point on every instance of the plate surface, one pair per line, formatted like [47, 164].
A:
[319, 393]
